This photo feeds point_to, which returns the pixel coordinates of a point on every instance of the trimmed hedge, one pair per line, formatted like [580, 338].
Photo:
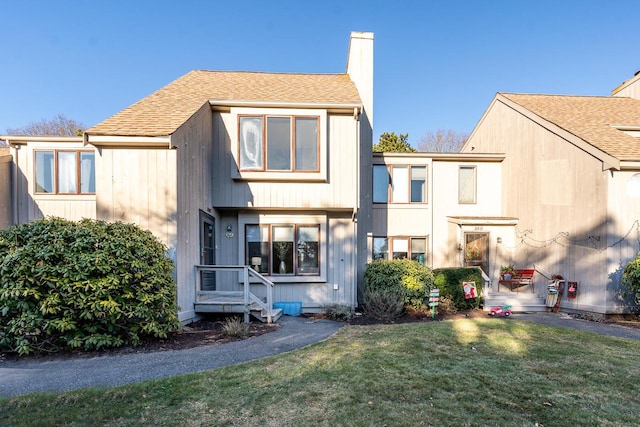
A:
[412, 279]
[87, 284]
[449, 281]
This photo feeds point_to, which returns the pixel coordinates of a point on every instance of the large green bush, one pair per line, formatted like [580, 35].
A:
[631, 280]
[87, 284]
[412, 279]
[449, 281]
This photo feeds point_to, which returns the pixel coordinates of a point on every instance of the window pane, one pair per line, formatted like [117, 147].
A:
[380, 184]
[467, 185]
[400, 248]
[278, 143]
[67, 172]
[251, 143]
[308, 238]
[419, 250]
[87, 173]
[400, 184]
[257, 237]
[380, 248]
[306, 144]
[44, 172]
[418, 184]
[282, 250]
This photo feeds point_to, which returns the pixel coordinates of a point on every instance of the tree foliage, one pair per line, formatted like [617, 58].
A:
[443, 141]
[392, 143]
[60, 125]
[87, 284]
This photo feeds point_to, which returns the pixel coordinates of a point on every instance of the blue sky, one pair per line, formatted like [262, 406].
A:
[438, 64]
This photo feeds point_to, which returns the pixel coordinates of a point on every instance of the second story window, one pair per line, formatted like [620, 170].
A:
[467, 185]
[399, 184]
[65, 172]
[279, 143]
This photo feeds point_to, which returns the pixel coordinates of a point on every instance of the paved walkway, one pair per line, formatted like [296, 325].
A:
[29, 376]
[24, 377]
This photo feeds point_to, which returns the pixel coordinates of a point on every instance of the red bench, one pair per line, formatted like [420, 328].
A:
[519, 278]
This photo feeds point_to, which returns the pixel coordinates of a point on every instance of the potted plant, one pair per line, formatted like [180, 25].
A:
[507, 271]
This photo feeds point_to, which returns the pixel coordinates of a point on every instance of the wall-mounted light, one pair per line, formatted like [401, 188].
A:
[229, 228]
[229, 232]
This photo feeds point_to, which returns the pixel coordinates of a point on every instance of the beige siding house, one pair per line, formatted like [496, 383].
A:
[47, 176]
[571, 178]
[244, 168]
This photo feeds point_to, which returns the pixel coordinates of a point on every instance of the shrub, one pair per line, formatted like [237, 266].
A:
[410, 278]
[631, 280]
[384, 305]
[449, 281]
[339, 312]
[235, 327]
[87, 284]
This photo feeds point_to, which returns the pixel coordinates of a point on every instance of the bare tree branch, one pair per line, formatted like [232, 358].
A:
[442, 141]
[60, 125]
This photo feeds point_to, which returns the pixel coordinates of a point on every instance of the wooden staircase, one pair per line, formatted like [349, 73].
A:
[244, 301]
[233, 302]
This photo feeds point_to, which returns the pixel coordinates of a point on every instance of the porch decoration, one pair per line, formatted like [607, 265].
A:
[507, 271]
[434, 298]
[469, 289]
[472, 252]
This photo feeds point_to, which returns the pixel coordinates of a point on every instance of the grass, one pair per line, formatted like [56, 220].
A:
[471, 372]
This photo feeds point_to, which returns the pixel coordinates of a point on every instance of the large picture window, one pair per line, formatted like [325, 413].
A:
[399, 184]
[288, 249]
[279, 143]
[414, 248]
[65, 172]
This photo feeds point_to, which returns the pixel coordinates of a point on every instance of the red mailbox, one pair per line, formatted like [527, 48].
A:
[572, 290]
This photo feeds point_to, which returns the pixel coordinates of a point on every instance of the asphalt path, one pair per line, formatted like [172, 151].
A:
[30, 376]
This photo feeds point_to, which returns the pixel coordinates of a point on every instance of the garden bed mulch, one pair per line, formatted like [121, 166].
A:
[209, 331]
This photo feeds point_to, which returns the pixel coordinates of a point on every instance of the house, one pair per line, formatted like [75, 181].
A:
[244, 168]
[263, 187]
[53, 176]
[438, 208]
[571, 179]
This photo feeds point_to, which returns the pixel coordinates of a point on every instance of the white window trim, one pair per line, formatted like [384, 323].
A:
[268, 219]
[323, 129]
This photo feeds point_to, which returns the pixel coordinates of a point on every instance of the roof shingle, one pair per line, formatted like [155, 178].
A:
[590, 118]
[165, 110]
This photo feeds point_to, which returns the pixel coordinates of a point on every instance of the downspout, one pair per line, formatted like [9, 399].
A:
[14, 185]
[356, 257]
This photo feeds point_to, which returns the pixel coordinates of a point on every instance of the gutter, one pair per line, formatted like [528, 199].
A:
[280, 104]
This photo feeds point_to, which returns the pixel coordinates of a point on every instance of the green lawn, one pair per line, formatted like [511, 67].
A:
[471, 372]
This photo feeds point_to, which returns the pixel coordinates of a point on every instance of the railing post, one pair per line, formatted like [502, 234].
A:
[245, 274]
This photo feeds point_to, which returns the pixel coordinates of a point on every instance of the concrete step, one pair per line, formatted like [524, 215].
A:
[519, 302]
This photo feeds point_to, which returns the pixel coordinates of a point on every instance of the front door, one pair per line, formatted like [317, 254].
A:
[476, 250]
[207, 251]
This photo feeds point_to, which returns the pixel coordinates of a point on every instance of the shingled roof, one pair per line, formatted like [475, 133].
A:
[165, 110]
[591, 118]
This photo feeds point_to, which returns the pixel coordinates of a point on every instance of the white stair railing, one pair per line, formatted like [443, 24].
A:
[249, 277]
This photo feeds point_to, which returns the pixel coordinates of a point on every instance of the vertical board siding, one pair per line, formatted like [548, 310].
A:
[340, 190]
[559, 193]
[195, 161]
[6, 214]
[31, 206]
